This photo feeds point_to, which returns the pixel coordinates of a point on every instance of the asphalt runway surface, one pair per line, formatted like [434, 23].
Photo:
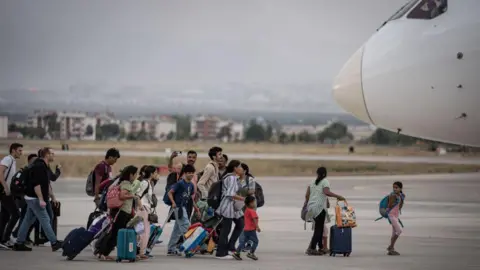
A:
[361, 158]
[441, 217]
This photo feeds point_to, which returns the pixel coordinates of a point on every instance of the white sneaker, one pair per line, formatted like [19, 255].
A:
[47, 244]
[227, 257]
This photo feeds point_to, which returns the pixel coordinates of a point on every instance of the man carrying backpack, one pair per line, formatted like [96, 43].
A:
[19, 197]
[37, 193]
[102, 172]
[210, 173]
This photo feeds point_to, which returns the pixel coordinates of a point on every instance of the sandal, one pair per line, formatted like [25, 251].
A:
[393, 253]
[142, 257]
[106, 258]
[313, 252]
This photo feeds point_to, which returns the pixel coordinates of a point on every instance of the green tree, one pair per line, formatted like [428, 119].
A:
[386, 137]
[225, 131]
[283, 137]
[336, 131]
[170, 135]
[269, 132]
[293, 137]
[255, 132]
[89, 130]
[304, 136]
[183, 127]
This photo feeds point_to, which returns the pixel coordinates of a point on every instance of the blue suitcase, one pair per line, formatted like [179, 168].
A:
[340, 241]
[76, 241]
[126, 245]
[192, 243]
[155, 233]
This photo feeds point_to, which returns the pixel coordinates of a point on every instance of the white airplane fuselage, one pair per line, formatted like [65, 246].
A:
[419, 75]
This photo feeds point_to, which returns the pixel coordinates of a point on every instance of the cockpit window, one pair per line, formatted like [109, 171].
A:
[428, 9]
[403, 10]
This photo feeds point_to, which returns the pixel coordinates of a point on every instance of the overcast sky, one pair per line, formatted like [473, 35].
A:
[56, 43]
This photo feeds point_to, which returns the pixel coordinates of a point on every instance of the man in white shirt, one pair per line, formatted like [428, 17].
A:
[9, 214]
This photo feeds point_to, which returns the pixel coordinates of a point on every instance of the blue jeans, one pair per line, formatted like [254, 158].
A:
[251, 237]
[179, 229]
[34, 212]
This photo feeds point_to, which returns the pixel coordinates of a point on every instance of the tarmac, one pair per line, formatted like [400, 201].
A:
[441, 218]
[351, 157]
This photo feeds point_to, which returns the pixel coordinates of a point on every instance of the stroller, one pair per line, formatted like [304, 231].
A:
[212, 227]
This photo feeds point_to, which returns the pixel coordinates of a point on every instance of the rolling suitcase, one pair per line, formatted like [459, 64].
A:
[193, 242]
[340, 241]
[76, 241]
[155, 232]
[126, 245]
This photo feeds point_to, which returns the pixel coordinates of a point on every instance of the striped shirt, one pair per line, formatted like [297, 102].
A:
[229, 208]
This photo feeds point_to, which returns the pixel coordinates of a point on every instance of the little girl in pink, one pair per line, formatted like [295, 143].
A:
[395, 203]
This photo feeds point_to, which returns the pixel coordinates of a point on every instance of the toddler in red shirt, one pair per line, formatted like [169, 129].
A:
[250, 230]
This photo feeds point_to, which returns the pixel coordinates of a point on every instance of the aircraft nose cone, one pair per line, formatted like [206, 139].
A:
[348, 89]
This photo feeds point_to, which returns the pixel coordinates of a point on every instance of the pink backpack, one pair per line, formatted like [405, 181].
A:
[113, 197]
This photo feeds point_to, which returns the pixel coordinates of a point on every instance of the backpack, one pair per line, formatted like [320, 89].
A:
[90, 185]
[113, 197]
[383, 207]
[258, 194]
[19, 181]
[171, 180]
[215, 194]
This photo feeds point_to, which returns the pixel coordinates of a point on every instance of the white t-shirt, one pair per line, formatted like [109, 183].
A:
[11, 168]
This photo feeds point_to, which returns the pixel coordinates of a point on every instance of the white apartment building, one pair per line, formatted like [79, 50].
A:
[71, 125]
[3, 127]
[157, 127]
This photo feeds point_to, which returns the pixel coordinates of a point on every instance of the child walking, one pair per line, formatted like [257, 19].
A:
[250, 230]
[395, 204]
[179, 196]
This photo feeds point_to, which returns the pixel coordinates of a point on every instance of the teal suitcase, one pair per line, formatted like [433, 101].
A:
[126, 245]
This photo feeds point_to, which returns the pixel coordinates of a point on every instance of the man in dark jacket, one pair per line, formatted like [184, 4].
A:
[37, 194]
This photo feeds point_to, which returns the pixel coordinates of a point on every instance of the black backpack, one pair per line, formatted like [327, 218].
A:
[19, 181]
[215, 194]
[258, 194]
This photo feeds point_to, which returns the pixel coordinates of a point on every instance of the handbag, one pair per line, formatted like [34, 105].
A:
[152, 217]
[56, 209]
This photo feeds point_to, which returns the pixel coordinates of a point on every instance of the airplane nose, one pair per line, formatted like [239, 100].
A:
[348, 89]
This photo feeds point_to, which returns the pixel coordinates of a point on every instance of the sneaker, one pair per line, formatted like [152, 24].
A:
[21, 247]
[158, 242]
[8, 244]
[174, 253]
[226, 257]
[236, 256]
[57, 245]
[252, 256]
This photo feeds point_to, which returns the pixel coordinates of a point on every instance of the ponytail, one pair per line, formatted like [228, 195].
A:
[321, 174]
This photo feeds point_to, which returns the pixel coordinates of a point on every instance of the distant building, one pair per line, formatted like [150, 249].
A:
[156, 127]
[209, 127]
[297, 129]
[3, 127]
[68, 125]
[361, 132]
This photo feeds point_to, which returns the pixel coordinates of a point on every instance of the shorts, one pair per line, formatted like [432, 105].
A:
[325, 230]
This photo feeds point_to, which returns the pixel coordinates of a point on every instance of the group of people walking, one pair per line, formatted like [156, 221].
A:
[187, 192]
